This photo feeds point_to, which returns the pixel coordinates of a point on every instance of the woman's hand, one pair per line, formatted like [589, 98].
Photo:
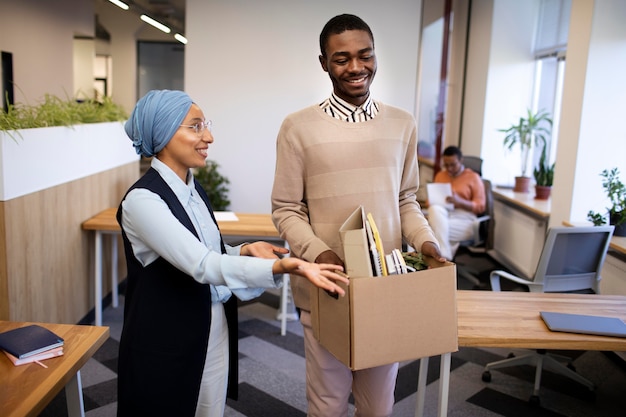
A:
[263, 250]
[320, 275]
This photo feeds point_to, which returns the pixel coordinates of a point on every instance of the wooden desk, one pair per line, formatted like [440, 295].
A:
[511, 320]
[248, 225]
[25, 390]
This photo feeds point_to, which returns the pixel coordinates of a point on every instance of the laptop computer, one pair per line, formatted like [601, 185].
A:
[585, 324]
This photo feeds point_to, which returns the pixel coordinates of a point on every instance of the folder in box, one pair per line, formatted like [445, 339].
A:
[354, 240]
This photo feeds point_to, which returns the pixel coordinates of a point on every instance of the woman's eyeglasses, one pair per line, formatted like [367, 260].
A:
[200, 127]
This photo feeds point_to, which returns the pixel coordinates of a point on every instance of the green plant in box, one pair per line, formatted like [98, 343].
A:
[53, 111]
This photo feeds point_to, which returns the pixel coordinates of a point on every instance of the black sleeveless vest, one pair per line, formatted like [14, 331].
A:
[166, 327]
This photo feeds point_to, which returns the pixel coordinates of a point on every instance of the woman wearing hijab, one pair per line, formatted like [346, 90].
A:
[178, 349]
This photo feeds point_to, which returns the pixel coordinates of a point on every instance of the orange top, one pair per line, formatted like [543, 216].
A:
[467, 185]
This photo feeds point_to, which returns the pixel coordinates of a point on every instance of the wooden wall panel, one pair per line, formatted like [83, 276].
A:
[46, 257]
[4, 284]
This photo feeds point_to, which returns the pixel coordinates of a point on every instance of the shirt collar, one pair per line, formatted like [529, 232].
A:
[181, 189]
[341, 109]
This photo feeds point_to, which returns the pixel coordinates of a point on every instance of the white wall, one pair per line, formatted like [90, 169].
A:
[40, 36]
[592, 136]
[249, 64]
[126, 29]
[499, 81]
[84, 54]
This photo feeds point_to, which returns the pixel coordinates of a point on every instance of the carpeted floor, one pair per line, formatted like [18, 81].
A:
[272, 376]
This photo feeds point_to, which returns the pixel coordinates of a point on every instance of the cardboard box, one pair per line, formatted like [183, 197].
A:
[388, 319]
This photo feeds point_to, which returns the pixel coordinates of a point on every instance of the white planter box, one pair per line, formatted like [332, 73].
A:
[45, 157]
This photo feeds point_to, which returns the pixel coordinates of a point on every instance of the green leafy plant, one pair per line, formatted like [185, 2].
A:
[215, 185]
[530, 129]
[544, 172]
[53, 111]
[415, 260]
[616, 192]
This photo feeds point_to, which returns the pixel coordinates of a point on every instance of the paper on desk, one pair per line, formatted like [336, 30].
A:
[437, 193]
[225, 216]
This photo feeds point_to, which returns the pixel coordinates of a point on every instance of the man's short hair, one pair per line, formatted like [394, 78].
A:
[452, 151]
[340, 24]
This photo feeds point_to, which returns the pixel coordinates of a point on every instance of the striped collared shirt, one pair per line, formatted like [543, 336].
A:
[342, 110]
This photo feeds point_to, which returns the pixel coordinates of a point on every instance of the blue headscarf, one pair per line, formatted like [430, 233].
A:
[155, 119]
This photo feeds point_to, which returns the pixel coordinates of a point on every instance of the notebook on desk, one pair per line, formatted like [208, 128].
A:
[585, 324]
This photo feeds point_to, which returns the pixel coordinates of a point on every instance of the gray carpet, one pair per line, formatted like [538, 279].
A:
[272, 377]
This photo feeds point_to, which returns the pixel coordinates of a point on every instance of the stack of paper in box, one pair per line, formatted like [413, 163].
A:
[31, 343]
[387, 315]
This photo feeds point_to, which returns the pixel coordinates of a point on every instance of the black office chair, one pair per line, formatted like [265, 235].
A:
[474, 163]
[571, 260]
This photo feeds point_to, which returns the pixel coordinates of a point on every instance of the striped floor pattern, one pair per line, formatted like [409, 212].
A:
[272, 378]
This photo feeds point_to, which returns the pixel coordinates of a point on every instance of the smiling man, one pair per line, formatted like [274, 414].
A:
[332, 157]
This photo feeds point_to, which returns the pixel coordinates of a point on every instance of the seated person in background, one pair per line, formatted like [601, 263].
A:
[468, 197]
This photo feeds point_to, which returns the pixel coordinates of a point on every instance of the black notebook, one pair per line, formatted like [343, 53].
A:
[29, 340]
[585, 324]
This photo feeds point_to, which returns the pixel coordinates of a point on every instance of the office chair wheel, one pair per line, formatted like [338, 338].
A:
[486, 376]
[510, 355]
[534, 401]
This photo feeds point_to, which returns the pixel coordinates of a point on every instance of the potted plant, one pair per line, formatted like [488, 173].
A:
[215, 185]
[544, 176]
[616, 192]
[534, 128]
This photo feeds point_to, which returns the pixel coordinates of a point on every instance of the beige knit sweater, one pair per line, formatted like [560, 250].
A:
[326, 168]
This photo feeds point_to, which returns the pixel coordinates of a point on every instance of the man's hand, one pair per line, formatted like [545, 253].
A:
[431, 249]
[263, 250]
[329, 257]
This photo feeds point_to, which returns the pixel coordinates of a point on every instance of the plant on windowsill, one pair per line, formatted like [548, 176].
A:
[532, 129]
[215, 185]
[544, 177]
[616, 192]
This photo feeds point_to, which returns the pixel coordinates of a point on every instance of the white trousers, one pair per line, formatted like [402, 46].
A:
[212, 397]
[450, 228]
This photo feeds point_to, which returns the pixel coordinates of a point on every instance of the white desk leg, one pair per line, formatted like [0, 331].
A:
[421, 387]
[74, 397]
[284, 301]
[98, 277]
[444, 384]
[284, 298]
[114, 282]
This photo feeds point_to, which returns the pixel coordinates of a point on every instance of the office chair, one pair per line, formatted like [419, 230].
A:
[571, 260]
[474, 163]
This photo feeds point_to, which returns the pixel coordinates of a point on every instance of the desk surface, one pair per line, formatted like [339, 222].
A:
[25, 390]
[246, 225]
[527, 201]
[511, 319]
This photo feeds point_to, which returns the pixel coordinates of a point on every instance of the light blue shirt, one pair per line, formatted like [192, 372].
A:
[154, 232]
